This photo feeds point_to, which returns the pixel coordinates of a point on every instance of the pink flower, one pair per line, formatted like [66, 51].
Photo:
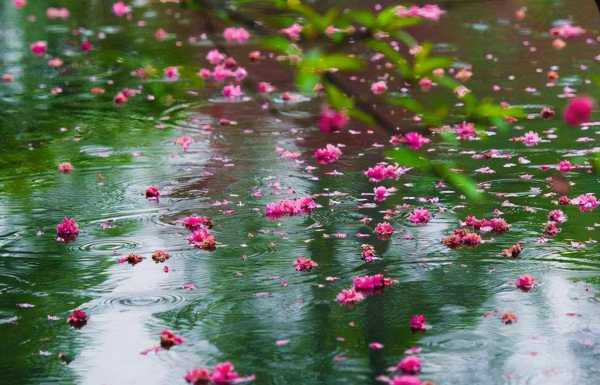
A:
[331, 120]
[551, 229]
[383, 171]
[381, 193]
[290, 207]
[65, 167]
[420, 216]
[57, 13]
[215, 57]
[567, 31]
[67, 230]
[327, 154]
[239, 35]
[415, 140]
[379, 87]
[198, 376]
[224, 374]
[557, 216]
[152, 193]
[131, 258]
[530, 139]
[171, 73]
[265, 87]
[39, 48]
[168, 339]
[202, 239]
[232, 91]
[405, 380]
[371, 282]
[375, 345]
[579, 110]
[525, 282]
[86, 46]
[409, 365]
[304, 264]
[194, 222]
[120, 9]
[160, 34]
[78, 318]
[19, 3]
[368, 252]
[221, 73]
[349, 297]
[384, 229]
[293, 31]
[587, 202]
[465, 131]
[425, 84]
[428, 11]
[417, 323]
[184, 141]
[565, 166]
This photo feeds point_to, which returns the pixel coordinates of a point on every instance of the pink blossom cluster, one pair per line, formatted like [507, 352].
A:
[567, 31]
[384, 229]
[236, 34]
[414, 140]
[78, 318]
[202, 238]
[121, 9]
[419, 216]
[381, 193]
[428, 11]
[290, 207]
[462, 237]
[525, 282]
[465, 131]
[222, 374]
[368, 253]
[497, 225]
[586, 202]
[331, 120]
[304, 264]
[349, 297]
[369, 283]
[292, 32]
[383, 171]
[194, 222]
[67, 230]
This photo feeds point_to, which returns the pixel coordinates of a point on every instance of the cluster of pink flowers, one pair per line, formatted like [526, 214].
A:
[419, 216]
[379, 87]
[152, 193]
[224, 68]
[292, 32]
[565, 166]
[232, 91]
[304, 264]
[349, 297]
[383, 171]
[497, 225]
[171, 73]
[331, 120]
[525, 282]
[327, 154]
[428, 11]
[462, 237]
[290, 207]
[557, 216]
[586, 202]
[222, 374]
[67, 230]
[369, 283]
[368, 253]
[384, 230]
[418, 323]
[414, 140]
[236, 34]
[78, 318]
[409, 365]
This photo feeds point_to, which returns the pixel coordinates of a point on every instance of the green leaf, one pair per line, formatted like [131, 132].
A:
[425, 66]
[338, 99]
[362, 17]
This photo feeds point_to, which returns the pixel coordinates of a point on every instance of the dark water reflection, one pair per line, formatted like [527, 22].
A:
[241, 307]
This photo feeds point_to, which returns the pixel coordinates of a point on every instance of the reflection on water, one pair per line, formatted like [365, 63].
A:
[246, 295]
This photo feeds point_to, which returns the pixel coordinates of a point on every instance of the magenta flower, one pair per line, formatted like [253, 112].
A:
[557, 216]
[586, 202]
[292, 32]
[224, 374]
[381, 193]
[579, 110]
[368, 253]
[332, 120]
[232, 91]
[19, 3]
[168, 339]
[171, 73]
[371, 282]
[383, 171]
[239, 35]
[120, 9]
[349, 297]
[525, 282]
[39, 48]
[304, 264]
[198, 376]
[565, 166]
[379, 87]
[327, 154]
[215, 57]
[152, 193]
[465, 131]
[202, 239]
[194, 222]
[78, 318]
[425, 84]
[409, 365]
[384, 229]
[67, 230]
[530, 139]
[265, 88]
[419, 216]
[86, 46]
[290, 207]
[405, 380]
[428, 11]
[65, 167]
[417, 323]
[567, 31]
[414, 140]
